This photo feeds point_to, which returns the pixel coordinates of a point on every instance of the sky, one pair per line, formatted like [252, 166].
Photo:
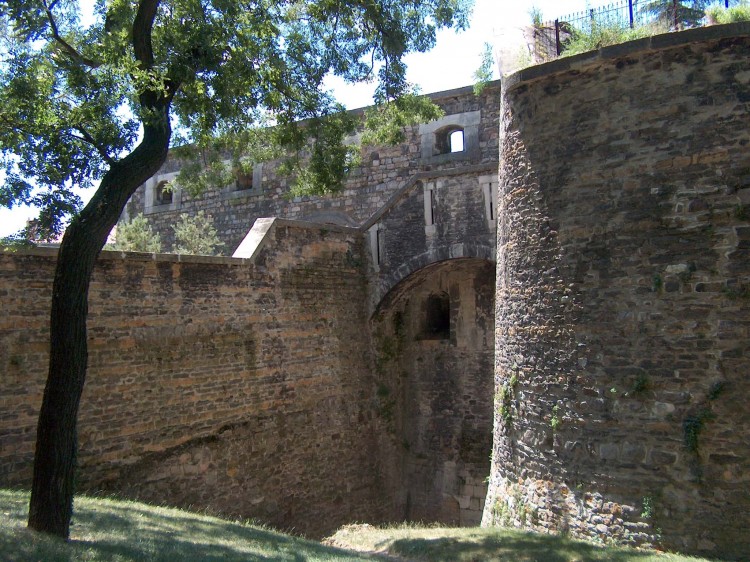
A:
[451, 64]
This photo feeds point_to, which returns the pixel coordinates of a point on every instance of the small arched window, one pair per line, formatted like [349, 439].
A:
[163, 193]
[449, 140]
[457, 141]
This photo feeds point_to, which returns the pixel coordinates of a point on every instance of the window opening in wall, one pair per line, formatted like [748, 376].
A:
[490, 202]
[437, 317]
[457, 141]
[244, 181]
[163, 193]
[449, 140]
[489, 188]
[377, 247]
[430, 208]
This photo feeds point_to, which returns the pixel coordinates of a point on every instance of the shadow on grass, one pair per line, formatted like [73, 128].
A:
[510, 547]
[124, 531]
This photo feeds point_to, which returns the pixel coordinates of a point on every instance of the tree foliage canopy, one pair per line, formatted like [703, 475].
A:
[71, 95]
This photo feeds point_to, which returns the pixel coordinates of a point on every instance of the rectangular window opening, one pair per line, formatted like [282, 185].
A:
[244, 181]
[377, 247]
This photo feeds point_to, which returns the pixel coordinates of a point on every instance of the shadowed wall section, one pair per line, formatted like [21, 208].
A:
[623, 317]
[433, 341]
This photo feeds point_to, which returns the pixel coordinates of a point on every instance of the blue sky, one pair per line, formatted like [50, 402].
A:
[450, 65]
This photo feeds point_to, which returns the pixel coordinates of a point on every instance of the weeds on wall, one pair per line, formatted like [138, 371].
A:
[504, 399]
[484, 74]
[695, 422]
[555, 421]
[386, 405]
[741, 213]
[716, 389]
[692, 426]
[657, 283]
[640, 385]
[737, 292]
[647, 509]
[513, 507]
[388, 349]
[352, 261]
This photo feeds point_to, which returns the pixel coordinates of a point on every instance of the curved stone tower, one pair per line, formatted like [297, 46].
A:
[623, 295]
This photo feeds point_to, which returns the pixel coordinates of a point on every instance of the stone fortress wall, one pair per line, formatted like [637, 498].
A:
[241, 385]
[423, 163]
[622, 349]
[346, 372]
[243, 388]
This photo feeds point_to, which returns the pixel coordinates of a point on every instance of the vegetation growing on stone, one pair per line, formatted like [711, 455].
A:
[603, 34]
[87, 104]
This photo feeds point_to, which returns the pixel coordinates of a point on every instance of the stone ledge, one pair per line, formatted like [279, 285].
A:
[114, 255]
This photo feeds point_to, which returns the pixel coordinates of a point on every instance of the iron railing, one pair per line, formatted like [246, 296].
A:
[551, 37]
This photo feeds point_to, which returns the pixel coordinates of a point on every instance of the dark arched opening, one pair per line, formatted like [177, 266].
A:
[433, 337]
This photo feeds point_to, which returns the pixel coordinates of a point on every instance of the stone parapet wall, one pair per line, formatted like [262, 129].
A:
[435, 218]
[623, 315]
[384, 171]
[239, 387]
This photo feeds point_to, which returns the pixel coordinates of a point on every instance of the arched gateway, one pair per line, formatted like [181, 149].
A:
[433, 337]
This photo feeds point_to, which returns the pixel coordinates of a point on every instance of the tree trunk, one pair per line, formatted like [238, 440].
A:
[51, 504]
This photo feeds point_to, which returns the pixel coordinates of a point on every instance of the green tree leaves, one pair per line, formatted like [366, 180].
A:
[99, 103]
[196, 235]
[136, 236]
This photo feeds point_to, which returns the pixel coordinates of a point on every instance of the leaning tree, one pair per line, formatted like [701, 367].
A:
[96, 102]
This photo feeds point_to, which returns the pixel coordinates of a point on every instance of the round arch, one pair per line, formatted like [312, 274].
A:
[390, 281]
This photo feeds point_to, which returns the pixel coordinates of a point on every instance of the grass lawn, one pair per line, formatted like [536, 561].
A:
[105, 529]
[495, 544]
[116, 530]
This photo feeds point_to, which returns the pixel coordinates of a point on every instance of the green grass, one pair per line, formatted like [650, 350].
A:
[603, 34]
[116, 530]
[496, 544]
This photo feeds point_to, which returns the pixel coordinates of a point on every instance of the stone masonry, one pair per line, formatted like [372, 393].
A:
[458, 181]
[622, 319]
[243, 388]
[240, 385]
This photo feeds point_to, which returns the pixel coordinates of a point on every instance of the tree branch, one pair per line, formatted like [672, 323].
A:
[86, 137]
[67, 47]
[142, 26]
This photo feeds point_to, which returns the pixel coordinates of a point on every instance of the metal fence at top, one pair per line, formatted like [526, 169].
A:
[551, 37]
